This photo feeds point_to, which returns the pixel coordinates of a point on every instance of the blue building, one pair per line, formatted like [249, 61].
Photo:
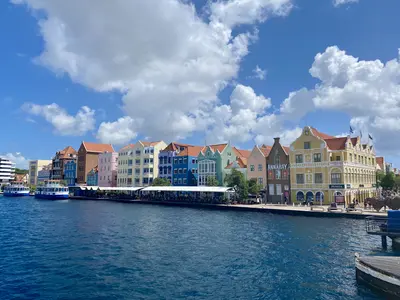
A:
[165, 160]
[93, 177]
[185, 167]
[70, 172]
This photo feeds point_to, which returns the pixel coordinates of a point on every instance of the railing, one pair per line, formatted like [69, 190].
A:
[383, 226]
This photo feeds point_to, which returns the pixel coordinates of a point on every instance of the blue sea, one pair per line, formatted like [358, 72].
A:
[102, 250]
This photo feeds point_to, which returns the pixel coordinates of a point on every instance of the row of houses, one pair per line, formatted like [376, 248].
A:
[316, 167]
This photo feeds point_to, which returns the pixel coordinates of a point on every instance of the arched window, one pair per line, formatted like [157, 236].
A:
[319, 196]
[300, 196]
[310, 196]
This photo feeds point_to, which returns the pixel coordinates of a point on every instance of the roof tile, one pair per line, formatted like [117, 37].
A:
[98, 148]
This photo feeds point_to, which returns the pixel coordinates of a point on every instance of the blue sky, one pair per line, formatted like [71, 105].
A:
[35, 73]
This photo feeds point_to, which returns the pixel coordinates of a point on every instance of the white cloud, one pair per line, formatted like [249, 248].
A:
[119, 132]
[259, 73]
[236, 12]
[63, 123]
[19, 160]
[368, 91]
[168, 63]
[337, 3]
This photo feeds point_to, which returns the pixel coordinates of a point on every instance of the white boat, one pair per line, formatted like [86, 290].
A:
[52, 190]
[16, 189]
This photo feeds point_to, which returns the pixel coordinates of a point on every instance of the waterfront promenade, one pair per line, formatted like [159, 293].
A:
[314, 211]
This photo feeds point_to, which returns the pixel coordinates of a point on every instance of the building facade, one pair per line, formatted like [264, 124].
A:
[388, 168]
[257, 164]
[70, 173]
[59, 160]
[166, 160]
[278, 174]
[185, 166]
[44, 174]
[92, 177]
[108, 166]
[326, 169]
[88, 158]
[34, 167]
[138, 163]
[213, 160]
[7, 170]
[381, 164]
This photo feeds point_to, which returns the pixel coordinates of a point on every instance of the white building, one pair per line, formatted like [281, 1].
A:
[7, 170]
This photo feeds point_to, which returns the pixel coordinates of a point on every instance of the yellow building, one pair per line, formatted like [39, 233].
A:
[34, 167]
[138, 163]
[330, 169]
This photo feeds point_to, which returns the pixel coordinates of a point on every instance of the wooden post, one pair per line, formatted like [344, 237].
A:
[384, 241]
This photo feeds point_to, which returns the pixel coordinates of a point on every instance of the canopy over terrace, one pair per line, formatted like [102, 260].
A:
[116, 189]
[199, 189]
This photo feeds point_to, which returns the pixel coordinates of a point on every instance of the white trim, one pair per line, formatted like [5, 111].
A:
[209, 189]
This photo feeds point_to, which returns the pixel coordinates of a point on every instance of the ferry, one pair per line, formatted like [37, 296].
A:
[52, 190]
[16, 189]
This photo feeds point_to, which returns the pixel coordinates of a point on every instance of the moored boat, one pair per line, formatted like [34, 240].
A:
[52, 190]
[16, 189]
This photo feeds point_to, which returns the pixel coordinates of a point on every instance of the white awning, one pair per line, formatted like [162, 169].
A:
[204, 189]
[128, 189]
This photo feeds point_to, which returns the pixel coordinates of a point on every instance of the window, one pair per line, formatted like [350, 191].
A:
[129, 171]
[299, 158]
[180, 171]
[351, 157]
[278, 189]
[175, 160]
[318, 178]
[180, 180]
[300, 178]
[336, 177]
[137, 171]
[260, 168]
[151, 160]
[307, 145]
[252, 168]
[260, 180]
[184, 170]
[137, 152]
[271, 189]
[317, 157]
[180, 160]
[185, 160]
[184, 181]
[277, 174]
[175, 180]
[137, 161]
[337, 158]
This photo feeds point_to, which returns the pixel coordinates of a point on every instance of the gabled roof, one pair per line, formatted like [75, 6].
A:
[336, 143]
[321, 134]
[379, 160]
[97, 148]
[286, 149]
[149, 144]
[241, 162]
[241, 153]
[173, 147]
[127, 147]
[265, 150]
[216, 147]
[354, 140]
[191, 151]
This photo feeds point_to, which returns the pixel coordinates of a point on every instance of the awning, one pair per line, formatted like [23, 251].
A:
[127, 189]
[204, 189]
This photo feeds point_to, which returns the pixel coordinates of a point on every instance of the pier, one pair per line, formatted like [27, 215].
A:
[385, 227]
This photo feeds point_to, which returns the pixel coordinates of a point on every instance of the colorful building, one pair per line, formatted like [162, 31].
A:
[138, 163]
[108, 166]
[93, 177]
[34, 167]
[59, 160]
[213, 160]
[381, 164]
[70, 173]
[7, 170]
[257, 164]
[44, 174]
[88, 158]
[185, 166]
[166, 160]
[326, 169]
[278, 172]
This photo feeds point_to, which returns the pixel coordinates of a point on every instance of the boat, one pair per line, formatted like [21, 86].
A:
[16, 189]
[52, 190]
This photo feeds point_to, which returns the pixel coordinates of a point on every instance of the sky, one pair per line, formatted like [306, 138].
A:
[197, 71]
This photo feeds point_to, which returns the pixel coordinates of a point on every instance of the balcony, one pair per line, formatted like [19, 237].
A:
[337, 163]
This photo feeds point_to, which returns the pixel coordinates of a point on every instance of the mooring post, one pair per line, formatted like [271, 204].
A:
[384, 241]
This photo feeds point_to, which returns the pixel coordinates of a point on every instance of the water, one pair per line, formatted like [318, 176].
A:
[103, 250]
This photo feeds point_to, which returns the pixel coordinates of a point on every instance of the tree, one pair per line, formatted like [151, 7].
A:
[379, 176]
[397, 182]
[161, 182]
[212, 181]
[254, 187]
[21, 171]
[388, 181]
[237, 180]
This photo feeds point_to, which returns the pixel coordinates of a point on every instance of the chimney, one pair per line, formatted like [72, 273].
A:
[277, 140]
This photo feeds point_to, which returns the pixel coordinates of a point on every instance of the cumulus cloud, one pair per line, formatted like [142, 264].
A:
[168, 63]
[337, 3]
[20, 161]
[368, 91]
[119, 132]
[63, 123]
[259, 73]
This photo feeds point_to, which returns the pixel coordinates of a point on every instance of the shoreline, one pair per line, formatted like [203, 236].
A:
[260, 208]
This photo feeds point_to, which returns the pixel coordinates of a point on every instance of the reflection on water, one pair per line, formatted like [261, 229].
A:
[102, 250]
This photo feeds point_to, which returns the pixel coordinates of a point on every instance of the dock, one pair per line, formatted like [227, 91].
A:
[381, 273]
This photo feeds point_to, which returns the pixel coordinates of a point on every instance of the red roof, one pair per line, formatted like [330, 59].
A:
[286, 149]
[265, 150]
[336, 143]
[242, 162]
[321, 134]
[98, 148]
[191, 151]
[127, 147]
[174, 146]
[379, 160]
[149, 144]
[216, 147]
[354, 141]
[241, 153]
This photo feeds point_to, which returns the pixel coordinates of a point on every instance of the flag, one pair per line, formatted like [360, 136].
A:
[351, 130]
[360, 133]
[370, 137]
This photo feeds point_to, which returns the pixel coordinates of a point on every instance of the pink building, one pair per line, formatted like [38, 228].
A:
[107, 168]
